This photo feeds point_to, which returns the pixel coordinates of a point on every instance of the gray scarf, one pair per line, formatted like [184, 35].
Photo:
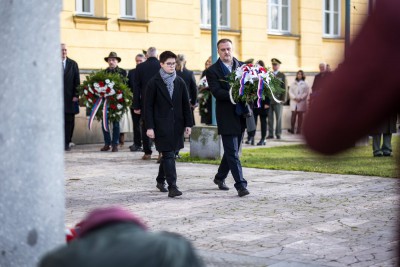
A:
[168, 80]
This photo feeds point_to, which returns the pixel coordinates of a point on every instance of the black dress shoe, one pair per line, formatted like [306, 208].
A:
[174, 192]
[67, 148]
[161, 187]
[387, 154]
[134, 148]
[243, 192]
[261, 143]
[270, 137]
[378, 155]
[278, 137]
[221, 184]
[290, 131]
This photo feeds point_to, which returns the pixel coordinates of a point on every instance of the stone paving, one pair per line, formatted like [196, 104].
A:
[289, 219]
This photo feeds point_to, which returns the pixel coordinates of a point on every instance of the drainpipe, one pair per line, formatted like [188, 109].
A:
[214, 50]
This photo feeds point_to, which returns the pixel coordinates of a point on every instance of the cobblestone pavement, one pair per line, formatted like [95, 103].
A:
[289, 219]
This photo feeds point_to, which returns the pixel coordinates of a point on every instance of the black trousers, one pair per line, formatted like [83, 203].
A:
[167, 169]
[137, 132]
[145, 139]
[263, 114]
[69, 124]
[230, 161]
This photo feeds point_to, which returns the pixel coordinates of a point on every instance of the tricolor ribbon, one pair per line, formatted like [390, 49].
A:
[95, 108]
[242, 82]
[260, 89]
[105, 115]
[272, 94]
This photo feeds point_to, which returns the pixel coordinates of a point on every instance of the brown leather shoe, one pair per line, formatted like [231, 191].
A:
[105, 148]
[146, 157]
[114, 148]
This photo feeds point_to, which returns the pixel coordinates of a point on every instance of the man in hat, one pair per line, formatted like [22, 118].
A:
[112, 61]
[276, 107]
[71, 81]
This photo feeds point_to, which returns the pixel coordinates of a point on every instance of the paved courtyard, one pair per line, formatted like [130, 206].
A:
[289, 218]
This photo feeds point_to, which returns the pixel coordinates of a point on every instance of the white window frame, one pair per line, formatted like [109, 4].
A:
[123, 9]
[280, 18]
[79, 8]
[331, 13]
[207, 11]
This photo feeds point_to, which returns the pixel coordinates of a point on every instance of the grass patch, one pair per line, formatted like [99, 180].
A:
[357, 161]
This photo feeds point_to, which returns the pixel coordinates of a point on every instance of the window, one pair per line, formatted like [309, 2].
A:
[331, 18]
[128, 8]
[85, 7]
[279, 16]
[222, 9]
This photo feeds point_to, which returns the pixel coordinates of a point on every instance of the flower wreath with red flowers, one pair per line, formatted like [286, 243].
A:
[253, 82]
[106, 95]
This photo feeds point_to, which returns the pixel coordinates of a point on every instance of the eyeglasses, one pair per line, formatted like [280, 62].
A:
[170, 64]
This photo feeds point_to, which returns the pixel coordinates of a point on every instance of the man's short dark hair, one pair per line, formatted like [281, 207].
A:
[166, 55]
[224, 40]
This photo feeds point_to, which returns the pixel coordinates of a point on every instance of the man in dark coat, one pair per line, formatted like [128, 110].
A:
[137, 132]
[188, 77]
[144, 72]
[112, 61]
[114, 237]
[318, 83]
[276, 107]
[231, 124]
[71, 82]
[167, 118]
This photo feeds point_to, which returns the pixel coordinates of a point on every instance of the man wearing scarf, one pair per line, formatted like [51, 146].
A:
[167, 116]
[230, 118]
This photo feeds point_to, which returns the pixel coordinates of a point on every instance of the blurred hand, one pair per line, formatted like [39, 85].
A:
[150, 133]
[136, 111]
[188, 130]
[74, 99]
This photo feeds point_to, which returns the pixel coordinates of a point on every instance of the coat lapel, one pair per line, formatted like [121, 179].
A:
[163, 89]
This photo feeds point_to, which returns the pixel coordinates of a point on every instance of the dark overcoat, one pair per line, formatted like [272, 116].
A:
[229, 123]
[190, 81]
[118, 70]
[144, 72]
[71, 82]
[387, 126]
[167, 117]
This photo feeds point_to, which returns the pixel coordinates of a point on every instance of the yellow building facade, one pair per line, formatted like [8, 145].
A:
[301, 33]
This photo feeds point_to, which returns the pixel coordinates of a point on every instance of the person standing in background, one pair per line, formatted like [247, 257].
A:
[204, 95]
[298, 93]
[190, 81]
[137, 132]
[71, 82]
[261, 112]
[144, 72]
[113, 61]
[276, 107]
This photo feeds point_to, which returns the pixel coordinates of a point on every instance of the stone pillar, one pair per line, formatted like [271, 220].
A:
[205, 143]
[31, 132]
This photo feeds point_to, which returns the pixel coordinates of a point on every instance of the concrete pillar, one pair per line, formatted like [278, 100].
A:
[31, 132]
[205, 143]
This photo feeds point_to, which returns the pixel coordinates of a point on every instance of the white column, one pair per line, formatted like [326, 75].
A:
[31, 131]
